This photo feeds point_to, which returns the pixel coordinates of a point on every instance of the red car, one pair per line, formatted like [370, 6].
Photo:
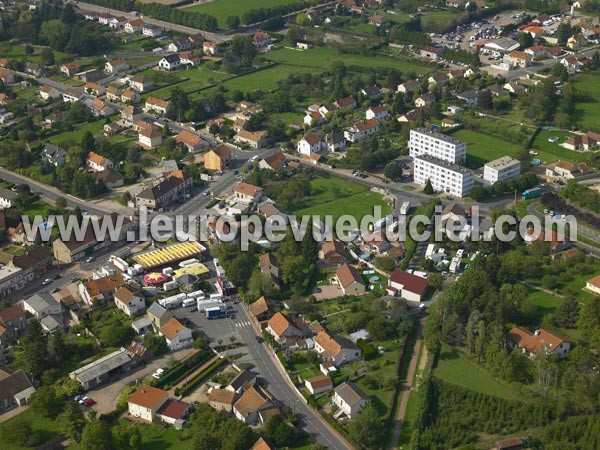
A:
[89, 402]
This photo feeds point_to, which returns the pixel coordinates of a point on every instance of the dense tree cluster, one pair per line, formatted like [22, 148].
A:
[261, 14]
[500, 188]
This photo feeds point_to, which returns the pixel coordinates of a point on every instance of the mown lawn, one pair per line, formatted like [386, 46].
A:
[454, 368]
[74, 137]
[552, 151]
[482, 148]
[47, 428]
[323, 57]
[222, 9]
[587, 112]
[266, 79]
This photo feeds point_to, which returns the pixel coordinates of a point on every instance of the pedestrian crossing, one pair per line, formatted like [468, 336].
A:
[242, 324]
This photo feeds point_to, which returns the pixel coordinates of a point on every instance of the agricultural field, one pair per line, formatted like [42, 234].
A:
[453, 367]
[222, 9]
[482, 148]
[323, 57]
[550, 150]
[587, 112]
[190, 81]
[266, 79]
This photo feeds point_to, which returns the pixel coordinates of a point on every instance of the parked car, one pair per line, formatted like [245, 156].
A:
[46, 282]
[83, 399]
[89, 402]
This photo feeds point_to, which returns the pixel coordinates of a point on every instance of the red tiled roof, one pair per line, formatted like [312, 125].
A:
[410, 282]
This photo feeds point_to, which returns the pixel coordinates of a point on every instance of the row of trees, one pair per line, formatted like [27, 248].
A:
[500, 188]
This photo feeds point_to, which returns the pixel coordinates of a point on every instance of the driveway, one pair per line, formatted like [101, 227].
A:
[329, 291]
[107, 395]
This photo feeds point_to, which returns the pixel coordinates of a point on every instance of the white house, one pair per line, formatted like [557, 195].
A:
[145, 402]
[377, 112]
[336, 349]
[532, 343]
[501, 169]
[157, 105]
[129, 302]
[98, 163]
[41, 305]
[134, 26]
[361, 130]
[7, 198]
[150, 137]
[350, 399]
[318, 384]
[170, 62]
[151, 30]
[408, 286]
[116, 65]
[176, 335]
[309, 144]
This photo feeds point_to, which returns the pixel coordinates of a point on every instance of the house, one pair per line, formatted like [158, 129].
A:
[14, 321]
[218, 158]
[141, 84]
[151, 30]
[35, 69]
[222, 399]
[349, 280]
[170, 62]
[173, 412]
[176, 335]
[513, 443]
[309, 144]
[101, 290]
[254, 139]
[174, 186]
[247, 193]
[285, 330]
[53, 155]
[372, 92]
[430, 52]
[566, 169]
[455, 3]
[332, 253]
[407, 285]
[188, 59]
[269, 267]
[150, 137]
[302, 45]
[426, 99]
[113, 94]
[336, 349]
[377, 112]
[46, 310]
[572, 64]
[274, 162]
[15, 389]
[219, 122]
[145, 402]
[7, 198]
[98, 163]
[75, 94]
[588, 141]
[247, 408]
[408, 87]
[110, 178]
[519, 59]
[7, 76]
[469, 98]
[375, 241]
[319, 384]
[130, 96]
[191, 141]
[350, 399]
[210, 48]
[261, 311]
[534, 31]
[449, 123]
[70, 68]
[379, 21]
[313, 118]
[501, 46]
[413, 114]
[94, 88]
[48, 93]
[261, 444]
[158, 315]
[100, 108]
[117, 22]
[101, 370]
[261, 39]
[116, 65]
[134, 26]
[361, 130]
[242, 381]
[335, 141]
[576, 42]
[129, 302]
[327, 109]
[90, 75]
[538, 52]
[129, 116]
[532, 343]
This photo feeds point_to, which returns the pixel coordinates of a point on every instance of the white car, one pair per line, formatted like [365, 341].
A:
[46, 281]
[83, 399]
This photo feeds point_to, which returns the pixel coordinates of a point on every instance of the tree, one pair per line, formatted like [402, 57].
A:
[59, 346]
[279, 431]
[47, 56]
[157, 344]
[560, 71]
[116, 334]
[525, 40]
[127, 437]
[485, 100]
[96, 436]
[567, 314]
[46, 401]
[214, 129]
[232, 22]
[367, 429]
[428, 189]
[87, 142]
[68, 15]
[60, 203]
[393, 171]
[55, 34]
[29, 49]
[35, 349]
[72, 421]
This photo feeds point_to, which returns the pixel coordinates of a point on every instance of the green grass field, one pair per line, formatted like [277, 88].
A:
[454, 368]
[482, 148]
[18, 52]
[192, 81]
[552, 151]
[322, 57]
[75, 136]
[48, 428]
[222, 9]
[587, 112]
[266, 79]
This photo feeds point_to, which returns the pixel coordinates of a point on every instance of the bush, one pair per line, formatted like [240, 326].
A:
[368, 350]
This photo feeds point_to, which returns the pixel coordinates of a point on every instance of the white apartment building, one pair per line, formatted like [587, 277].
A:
[444, 176]
[501, 169]
[438, 145]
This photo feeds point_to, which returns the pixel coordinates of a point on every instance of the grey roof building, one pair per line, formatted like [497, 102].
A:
[99, 371]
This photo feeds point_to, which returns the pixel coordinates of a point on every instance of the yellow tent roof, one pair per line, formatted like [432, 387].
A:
[168, 254]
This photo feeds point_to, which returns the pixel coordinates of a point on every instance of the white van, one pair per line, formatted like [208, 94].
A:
[189, 302]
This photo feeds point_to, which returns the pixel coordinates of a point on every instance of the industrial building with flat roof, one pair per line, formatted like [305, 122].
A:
[99, 371]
